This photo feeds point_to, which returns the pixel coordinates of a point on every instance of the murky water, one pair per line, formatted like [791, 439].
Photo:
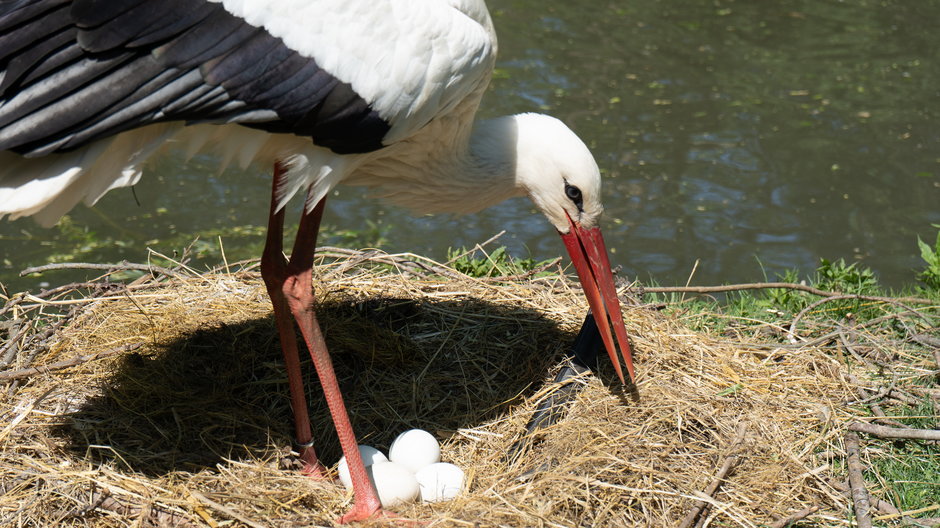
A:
[751, 136]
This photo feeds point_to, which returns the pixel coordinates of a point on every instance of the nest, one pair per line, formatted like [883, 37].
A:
[173, 408]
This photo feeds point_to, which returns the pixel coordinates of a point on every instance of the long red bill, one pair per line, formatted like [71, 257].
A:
[589, 256]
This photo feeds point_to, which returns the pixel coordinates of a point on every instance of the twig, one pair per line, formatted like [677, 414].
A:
[881, 505]
[798, 516]
[890, 392]
[928, 521]
[155, 514]
[857, 482]
[83, 510]
[520, 276]
[121, 266]
[726, 467]
[791, 333]
[68, 288]
[825, 338]
[32, 371]
[476, 247]
[180, 264]
[771, 285]
[225, 509]
[397, 260]
[865, 394]
[882, 431]
[925, 392]
[927, 340]
[9, 350]
[907, 514]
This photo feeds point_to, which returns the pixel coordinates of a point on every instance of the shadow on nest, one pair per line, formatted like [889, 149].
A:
[219, 391]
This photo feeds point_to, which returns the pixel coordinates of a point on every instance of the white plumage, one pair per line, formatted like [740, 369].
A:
[423, 60]
[421, 57]
[375, 93]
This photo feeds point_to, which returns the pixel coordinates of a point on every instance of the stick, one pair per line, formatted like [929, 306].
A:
[890, 392]
[32, 371]
[798, 516]
[906, 515]
[12, 345]
[153, 513]
[525, 275]
[121, 266]
[476, 247]
[881, 505]
[770, 285]
[929, 521]
[857, 482]
[726, 467]
[883, 431]
[868, 396]
[928, 341]
[224, 509]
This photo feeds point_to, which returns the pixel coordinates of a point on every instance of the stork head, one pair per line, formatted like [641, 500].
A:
[558, 172]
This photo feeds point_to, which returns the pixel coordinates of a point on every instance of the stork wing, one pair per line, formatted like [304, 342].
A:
[353, 75]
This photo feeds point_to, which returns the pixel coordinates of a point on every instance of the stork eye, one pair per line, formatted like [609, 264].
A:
[574, 194]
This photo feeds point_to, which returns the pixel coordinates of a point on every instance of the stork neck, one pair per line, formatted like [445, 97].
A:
[448, 169]
[492, 160]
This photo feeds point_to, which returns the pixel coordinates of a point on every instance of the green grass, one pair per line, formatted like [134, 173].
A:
[907, 472]
[930, 275]
[497, 263]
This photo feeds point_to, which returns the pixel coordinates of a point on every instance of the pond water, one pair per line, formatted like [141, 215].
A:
[750, 137]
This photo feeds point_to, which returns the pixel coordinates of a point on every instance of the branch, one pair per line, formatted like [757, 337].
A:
[868, 397]
[11, 346]
[857, 482]
[771, 285]
[881, 505]
[525, 275]
[798, 516]
[32, 371]
[121, 266]
[156, 514]
[882, 431]
[224, 509]
[731, 459]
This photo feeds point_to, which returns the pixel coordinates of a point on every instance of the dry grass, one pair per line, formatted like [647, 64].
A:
[193, 427]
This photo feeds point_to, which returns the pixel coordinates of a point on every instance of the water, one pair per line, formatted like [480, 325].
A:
[752, 137]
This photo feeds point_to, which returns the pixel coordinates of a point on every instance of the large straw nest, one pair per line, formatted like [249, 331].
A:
[192, 426]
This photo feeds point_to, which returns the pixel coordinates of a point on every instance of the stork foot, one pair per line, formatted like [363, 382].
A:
[311, 465]
[362, 513]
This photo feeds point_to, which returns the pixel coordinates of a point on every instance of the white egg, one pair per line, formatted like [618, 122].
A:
[439, 482]
[394, 483]
[415, 449]
[369, 454]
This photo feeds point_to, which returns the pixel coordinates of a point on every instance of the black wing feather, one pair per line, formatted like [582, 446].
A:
[21, 65]
[176, 18]
[21, 36]
[19, 12]
[93, 13]
[73, 72]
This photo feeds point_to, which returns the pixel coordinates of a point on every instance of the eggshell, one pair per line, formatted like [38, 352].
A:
[369, 454]
[440, 482]
[394, 483]
[415, 449]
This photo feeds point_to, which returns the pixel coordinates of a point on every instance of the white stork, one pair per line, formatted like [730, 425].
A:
[376, 93]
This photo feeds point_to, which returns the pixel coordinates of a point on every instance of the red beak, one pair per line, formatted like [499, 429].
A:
[589, 255]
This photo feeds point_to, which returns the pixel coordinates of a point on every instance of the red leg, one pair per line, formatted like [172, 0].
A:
[274, 273]
[294, 282]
